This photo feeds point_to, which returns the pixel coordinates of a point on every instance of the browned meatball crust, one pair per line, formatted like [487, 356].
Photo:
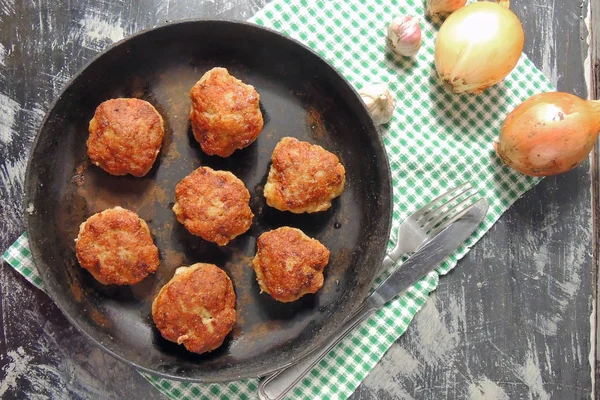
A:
[303, 177]
[213, 205]
[125, 136]
[225, 113]
[196, 308]
[116, 247]
[289, 264]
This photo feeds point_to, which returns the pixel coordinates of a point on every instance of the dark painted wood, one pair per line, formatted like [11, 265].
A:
[595, 94]
[515, 313]
[511, 321]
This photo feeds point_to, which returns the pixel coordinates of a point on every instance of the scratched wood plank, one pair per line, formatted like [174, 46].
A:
[594, 62]
[511, 322]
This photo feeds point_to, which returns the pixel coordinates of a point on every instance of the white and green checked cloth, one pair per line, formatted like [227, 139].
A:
[435, 141]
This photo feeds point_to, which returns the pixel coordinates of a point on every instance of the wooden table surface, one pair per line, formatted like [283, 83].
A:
[514, 320]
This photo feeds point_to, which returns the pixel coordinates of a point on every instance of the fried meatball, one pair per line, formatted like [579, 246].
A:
[289, 264]
[225, 113]
[303, 177]
[196, 307]
[125, 136]
[213, 205]
[116, 247]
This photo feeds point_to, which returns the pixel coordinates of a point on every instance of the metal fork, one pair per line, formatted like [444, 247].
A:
[428, 221]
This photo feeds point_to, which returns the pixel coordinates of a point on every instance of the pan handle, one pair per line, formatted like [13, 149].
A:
[276, 386]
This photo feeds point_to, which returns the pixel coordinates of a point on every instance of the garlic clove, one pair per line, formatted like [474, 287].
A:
[434, 7]
[379, 101]
[404, 35]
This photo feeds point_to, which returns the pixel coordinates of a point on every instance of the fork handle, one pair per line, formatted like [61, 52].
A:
[276, 386]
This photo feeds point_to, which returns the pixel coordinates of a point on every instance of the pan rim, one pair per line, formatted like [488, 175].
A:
[27, 198]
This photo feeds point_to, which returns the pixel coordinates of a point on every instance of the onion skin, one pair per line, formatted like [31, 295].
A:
[477, 46]
[434, 7]
[549, 133]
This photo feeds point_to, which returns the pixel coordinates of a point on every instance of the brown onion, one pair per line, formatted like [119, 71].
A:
[477, 46]
[434, 7]
[549, 133]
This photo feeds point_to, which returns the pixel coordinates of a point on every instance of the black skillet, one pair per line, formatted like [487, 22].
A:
[301, 96]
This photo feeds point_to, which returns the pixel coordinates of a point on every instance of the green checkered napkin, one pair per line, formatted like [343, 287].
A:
[435, 141]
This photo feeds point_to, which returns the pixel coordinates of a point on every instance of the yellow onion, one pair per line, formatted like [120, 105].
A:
[434, 7]
[549, 133]
[477, 46]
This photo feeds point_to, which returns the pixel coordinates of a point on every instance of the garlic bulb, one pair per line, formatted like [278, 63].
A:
[379, 102]
[404, 35]
[443, 6]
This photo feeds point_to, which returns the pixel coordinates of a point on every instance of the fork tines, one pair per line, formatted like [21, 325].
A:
[447, 208]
